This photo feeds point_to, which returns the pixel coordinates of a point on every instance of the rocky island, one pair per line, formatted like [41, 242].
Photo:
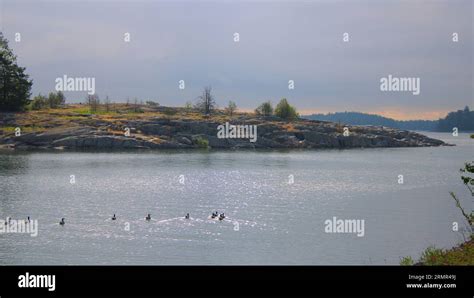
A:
[123, 127]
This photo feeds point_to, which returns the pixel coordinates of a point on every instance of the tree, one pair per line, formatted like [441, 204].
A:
[93, 101]
[231, 108]
[39, 102]
[55, 100]
[51, 100]
[285, 111]
[61, 98]
[206, 103]
[107, 103]
[15, 85]
[265, 109]
[135, 105]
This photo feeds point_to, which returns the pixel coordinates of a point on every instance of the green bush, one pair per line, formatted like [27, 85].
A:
[53, 101]
[432, 256]
[285, 111]
[407, 261]
[39, 102]
[202, 143]
[265, 109]
[56, 100]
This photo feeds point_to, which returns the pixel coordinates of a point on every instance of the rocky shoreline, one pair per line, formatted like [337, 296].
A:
[160, 133]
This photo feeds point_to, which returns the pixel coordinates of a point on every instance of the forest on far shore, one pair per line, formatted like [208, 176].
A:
[463, 120]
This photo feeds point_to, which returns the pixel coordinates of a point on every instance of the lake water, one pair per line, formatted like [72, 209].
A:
[269, 220]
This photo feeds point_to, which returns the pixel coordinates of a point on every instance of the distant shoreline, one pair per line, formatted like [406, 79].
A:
[463, 120]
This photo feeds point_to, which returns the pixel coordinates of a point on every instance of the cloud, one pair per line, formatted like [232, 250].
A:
[279, 41]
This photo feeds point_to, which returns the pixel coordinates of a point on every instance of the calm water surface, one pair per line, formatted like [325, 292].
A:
[269, 221]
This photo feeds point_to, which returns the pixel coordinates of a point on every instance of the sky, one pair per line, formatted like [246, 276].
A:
[278, 41]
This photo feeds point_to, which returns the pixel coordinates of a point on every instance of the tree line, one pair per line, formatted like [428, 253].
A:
[463, 120]
[53, 100]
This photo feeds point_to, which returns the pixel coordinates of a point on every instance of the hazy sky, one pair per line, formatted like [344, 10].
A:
[279, 41]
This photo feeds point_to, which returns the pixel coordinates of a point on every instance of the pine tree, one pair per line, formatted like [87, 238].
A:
[15, 85]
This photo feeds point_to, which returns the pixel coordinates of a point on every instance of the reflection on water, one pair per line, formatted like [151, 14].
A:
[269, 220]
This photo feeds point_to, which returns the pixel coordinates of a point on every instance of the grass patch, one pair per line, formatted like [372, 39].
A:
[68, 117]
[87, 111]
[8, 129]
[432, 256]
[82, 111]
[24, 129]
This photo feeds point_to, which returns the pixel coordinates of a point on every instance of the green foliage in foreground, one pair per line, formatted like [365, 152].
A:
[463, 254]
[468, 180]
[432, 256]
[407, 261]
